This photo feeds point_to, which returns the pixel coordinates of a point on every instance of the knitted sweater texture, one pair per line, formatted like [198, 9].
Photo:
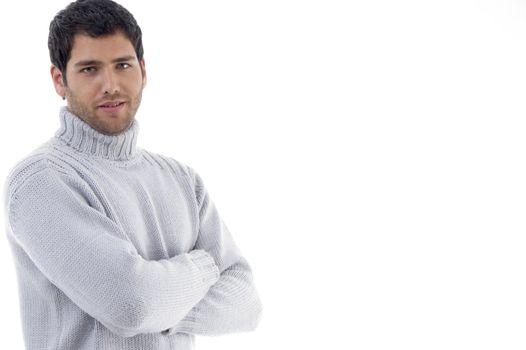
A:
[118, 248]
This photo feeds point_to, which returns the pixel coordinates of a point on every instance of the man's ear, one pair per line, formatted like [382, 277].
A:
[58, 81]
[143, 70]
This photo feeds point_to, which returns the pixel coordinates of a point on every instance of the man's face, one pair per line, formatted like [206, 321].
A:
[104, 82]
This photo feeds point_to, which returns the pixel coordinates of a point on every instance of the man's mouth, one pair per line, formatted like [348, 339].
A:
[111, 106]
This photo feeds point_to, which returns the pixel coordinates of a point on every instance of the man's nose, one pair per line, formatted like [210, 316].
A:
[110, 83]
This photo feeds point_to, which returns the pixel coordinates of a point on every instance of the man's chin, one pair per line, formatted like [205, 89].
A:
[113, 124]
[115, 130]
[111, 127]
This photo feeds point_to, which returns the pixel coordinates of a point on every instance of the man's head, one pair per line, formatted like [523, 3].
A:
[97, 63]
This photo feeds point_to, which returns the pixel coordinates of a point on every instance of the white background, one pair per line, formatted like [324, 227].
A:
[368, 157]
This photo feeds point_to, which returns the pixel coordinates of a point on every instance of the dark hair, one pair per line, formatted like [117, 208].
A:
[92, 17]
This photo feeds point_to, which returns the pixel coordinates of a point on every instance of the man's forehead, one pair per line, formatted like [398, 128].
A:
[103, 48]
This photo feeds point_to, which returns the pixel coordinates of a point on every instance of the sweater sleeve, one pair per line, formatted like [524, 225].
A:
[88, 257]
[232, 304]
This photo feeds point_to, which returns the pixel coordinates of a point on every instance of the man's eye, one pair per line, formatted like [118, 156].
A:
[87, 70]
[123, 65]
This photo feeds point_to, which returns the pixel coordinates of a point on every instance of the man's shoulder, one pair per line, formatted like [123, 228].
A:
[34, 163]
[172, 163]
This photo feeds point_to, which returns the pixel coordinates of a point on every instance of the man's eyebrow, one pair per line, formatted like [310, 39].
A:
[124, 59]
[87, 63]
[96, 62]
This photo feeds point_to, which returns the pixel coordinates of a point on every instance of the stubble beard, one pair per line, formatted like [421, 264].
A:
[90, 115]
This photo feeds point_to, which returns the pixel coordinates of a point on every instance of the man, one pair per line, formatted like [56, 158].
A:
[116, 247]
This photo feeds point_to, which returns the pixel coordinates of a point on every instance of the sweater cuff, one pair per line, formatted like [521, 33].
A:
[207, 266]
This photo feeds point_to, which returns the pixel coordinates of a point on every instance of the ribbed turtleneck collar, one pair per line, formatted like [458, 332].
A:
[81, 136]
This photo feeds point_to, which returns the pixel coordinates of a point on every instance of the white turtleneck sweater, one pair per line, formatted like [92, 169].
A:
[119, 248]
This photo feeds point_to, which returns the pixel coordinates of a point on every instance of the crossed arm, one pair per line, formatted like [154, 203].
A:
[232, 303]
[85, 254]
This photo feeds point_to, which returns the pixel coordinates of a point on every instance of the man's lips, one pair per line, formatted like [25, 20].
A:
[111, 107]
[110, 104]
